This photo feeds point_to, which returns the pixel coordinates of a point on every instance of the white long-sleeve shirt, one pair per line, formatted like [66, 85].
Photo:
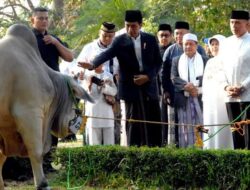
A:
[100, 108]
[91, 50]
[235, 57]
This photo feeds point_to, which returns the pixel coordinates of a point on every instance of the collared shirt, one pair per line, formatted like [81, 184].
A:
[163, 48]
[49, 52]
[93, 49]
[137, 46]
[235, 55]
[191, 70]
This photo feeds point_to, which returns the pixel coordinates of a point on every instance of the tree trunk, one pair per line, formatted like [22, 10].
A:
[58, 6]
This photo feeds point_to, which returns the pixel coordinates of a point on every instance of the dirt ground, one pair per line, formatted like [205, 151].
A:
[29, 184]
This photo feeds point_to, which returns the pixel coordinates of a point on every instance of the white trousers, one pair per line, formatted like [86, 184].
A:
[99, 136]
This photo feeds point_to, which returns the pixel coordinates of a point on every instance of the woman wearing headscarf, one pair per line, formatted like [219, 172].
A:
[214, 109]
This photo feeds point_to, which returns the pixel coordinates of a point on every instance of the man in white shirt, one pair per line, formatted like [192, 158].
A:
[235, 55]
[94, 48]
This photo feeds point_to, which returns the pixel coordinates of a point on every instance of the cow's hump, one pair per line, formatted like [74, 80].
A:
[23, 32]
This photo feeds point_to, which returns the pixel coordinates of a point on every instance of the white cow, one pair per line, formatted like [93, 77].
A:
[34, 100]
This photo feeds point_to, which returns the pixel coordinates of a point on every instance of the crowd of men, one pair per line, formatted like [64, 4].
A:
[158, 78]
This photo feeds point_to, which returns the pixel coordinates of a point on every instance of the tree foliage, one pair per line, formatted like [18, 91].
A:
[78, 21]
[16, 11]
[11, 12]
[93, 12]
[206, 17]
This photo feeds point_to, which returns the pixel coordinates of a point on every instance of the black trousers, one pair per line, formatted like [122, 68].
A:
[139, 133]
[234, 109]
[164, 118]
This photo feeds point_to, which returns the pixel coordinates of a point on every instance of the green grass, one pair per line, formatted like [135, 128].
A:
[54, 184]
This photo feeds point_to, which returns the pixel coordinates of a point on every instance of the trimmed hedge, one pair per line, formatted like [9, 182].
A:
[168, 168]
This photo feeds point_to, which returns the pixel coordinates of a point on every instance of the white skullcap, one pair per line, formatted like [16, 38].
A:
[218, 37]
[190, 36]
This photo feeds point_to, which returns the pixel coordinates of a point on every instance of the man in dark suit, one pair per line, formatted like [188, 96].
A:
[140, 61]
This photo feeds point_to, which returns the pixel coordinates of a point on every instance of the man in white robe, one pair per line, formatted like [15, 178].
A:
[92, 49]
[235, 55]
[100, 131]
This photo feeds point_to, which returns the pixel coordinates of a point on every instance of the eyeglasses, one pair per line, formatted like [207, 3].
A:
[165, 35]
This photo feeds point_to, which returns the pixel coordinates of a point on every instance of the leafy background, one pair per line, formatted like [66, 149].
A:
[77, 21]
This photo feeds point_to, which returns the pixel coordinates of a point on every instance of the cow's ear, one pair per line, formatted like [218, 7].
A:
[79, 92]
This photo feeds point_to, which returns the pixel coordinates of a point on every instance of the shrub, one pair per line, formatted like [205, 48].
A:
[115, 166]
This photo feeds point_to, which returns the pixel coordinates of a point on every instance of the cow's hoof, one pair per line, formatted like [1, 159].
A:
[43, 186]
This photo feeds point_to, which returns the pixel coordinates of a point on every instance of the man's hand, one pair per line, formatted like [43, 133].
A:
[85, 65]
[166, 98]
[107, 81]
[234, 91]
[193, 91]
[65, 53]
[48, 39]
[90, 83]
[81, 75]
[140, 79]
[189, 87]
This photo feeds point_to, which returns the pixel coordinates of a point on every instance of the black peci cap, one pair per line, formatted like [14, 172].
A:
[108, 27]
[164, 27]
[239, 14]
[181, 25]
[133, 16]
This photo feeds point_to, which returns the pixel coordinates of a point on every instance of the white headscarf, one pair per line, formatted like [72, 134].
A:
[218, 37]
